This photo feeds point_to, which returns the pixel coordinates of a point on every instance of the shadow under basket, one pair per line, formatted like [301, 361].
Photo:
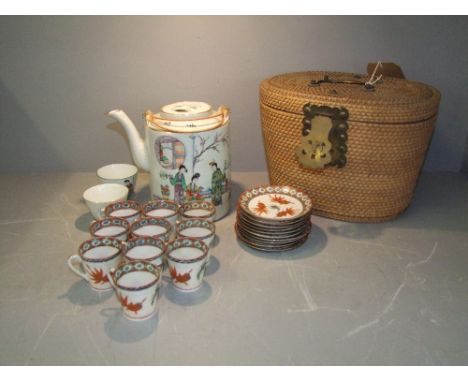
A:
[355, 143]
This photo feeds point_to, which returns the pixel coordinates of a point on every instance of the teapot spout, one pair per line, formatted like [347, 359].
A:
[137, 145]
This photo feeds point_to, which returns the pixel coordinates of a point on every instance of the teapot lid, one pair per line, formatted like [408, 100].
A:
[186, 109]
[187, 117]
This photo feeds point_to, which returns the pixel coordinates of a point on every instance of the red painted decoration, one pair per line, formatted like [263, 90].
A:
[132, 307]
[286, 212]
[279, 199]
[261, 208]
[179, 278]
[98, 276]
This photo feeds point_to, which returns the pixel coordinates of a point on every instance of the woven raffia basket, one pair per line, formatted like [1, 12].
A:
[379, 139]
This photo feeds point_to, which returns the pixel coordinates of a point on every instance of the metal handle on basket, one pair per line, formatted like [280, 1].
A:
[368, 85]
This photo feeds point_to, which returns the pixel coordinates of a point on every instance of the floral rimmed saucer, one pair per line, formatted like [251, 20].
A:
[273, 218]
[271, 225]
[275, 203]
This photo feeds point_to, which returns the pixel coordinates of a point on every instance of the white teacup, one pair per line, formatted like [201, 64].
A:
[115, 228]
[200, 229]
[99, 196]
[198, 210]
[156, 228]
[137, 285]
[162, 209]
[145, 248]
[97, 256]
[128, 210]
[120, 173]
[187, 261]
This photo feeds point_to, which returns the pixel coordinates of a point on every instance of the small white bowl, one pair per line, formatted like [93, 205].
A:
[121, 173]
[99, 196]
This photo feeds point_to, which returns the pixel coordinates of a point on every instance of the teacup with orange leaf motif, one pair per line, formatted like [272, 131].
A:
[113, 227]
[187, 260]
[154, 227]
[198, 210]
[137, 285]
[200, 229]
[95, 259]
[161, 209]
[128, 210]
[145, 248]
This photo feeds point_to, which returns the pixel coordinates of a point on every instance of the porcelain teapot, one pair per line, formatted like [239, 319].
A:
[186, 151]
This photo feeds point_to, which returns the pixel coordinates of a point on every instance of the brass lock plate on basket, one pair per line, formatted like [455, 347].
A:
[324, 137]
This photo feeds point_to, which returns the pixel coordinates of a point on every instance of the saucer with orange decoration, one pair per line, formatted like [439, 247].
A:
[273, 218]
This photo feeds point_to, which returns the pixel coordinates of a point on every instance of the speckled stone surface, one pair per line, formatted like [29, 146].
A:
[393, 293]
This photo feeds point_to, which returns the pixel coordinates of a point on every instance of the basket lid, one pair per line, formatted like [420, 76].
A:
[394, 100]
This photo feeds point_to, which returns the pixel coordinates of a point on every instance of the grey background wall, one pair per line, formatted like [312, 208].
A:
[464, 168]
[58, 75]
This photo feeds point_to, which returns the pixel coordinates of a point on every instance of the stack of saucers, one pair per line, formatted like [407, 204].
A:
[273, 218]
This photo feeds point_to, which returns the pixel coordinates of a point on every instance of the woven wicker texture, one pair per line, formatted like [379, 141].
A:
[389, 133]
[395, 100]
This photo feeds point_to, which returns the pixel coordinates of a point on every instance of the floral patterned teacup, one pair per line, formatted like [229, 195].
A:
[96, 257]
[128, 210]
[162, 209]
[198, 210]
[200, 229]
[145, 248]
[165, 209]
[137, 285]
[187, 260]
[110, 227]
[156, 228]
